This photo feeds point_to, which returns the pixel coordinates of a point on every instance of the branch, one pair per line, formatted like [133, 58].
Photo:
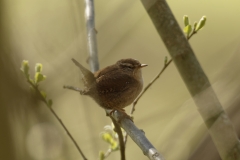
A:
[137, 136]
[34, 83]
[91, 36]
[219, 126]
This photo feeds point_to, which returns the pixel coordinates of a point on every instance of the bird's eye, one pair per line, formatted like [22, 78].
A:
[127, 65]
[130, 67]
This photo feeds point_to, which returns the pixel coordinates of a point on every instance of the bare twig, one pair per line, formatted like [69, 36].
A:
[144, 90]
[57, 117]
[154, 79]
[149, 85]
[68, 133]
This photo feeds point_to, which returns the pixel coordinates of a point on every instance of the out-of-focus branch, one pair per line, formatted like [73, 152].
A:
[215, 118]
[42, 96]
[49, 106]
[91, 36]
[58, 119]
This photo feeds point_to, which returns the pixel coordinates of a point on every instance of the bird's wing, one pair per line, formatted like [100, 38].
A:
[114, 82]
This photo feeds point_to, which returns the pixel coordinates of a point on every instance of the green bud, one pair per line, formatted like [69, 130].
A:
[188, 29]
[25, 68]
[39, 77]
[114, 146]
[44, 95]
[107, 137]
[194, 26]
[38, 67]
[201, 23]
[185, 20]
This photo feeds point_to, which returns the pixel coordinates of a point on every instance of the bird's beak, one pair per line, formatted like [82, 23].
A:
[143, 65]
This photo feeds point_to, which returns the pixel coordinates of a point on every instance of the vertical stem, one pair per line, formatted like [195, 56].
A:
[91, 36]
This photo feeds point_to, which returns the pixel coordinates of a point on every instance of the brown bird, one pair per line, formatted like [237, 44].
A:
[115, 86]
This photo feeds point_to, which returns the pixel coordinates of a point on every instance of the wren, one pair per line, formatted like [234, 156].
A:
[113, 87]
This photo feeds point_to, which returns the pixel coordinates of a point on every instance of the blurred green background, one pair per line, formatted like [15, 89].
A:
[52, 32]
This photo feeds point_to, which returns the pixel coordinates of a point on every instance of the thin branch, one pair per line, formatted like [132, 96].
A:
[57, 117]
[68, 133]
[120, 137]
[149, 85]
[157, 76]
[144, 90]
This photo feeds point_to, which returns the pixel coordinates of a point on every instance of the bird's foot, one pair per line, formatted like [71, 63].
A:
[122, 114]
